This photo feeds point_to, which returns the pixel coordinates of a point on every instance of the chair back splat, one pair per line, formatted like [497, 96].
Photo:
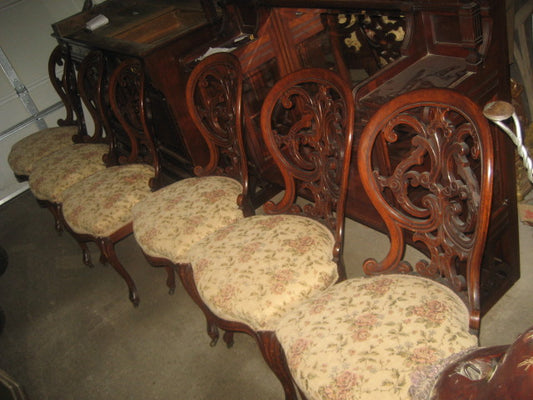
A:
[91, 89]
[214, 100]
[63, 78]
[437, 193]
[132, 141]
[307, 125]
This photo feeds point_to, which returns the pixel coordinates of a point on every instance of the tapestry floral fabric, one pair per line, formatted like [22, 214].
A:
[56, 172]
[256, 269]
[101, 204]
[364, 338]
[169, 221]
[27, 151]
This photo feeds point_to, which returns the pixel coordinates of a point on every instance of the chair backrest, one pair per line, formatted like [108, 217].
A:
[62, 75]
[426, 162]
[307, 121]
[214, 101]
[132, 140]
[91, 89]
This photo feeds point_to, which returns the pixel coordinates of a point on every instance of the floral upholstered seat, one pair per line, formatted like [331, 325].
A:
[246, 276]
[171, 219]
[26, 152]
[255, 270]
[109, 194]
[366, 337]
[168, 222]
[56, 172]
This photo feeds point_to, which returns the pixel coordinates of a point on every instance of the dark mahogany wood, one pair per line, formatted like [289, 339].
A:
[383, 48]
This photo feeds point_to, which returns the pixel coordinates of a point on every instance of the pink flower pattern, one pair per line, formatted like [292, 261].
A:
[361, 341]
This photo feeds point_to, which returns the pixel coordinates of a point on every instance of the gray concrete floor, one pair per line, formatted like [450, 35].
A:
[71, 332]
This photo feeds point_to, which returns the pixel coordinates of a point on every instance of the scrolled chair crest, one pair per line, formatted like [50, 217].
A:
[306, 135]
[433, 189]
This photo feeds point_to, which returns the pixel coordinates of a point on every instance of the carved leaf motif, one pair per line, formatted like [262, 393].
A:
[430, 184]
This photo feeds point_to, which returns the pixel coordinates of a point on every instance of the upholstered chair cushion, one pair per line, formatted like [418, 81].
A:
[101, 204]
[254, 270]
[54, 173]
[364, 338]
[170, 220]
[27, 151]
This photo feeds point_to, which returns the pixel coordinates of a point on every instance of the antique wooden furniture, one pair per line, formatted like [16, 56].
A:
[385, 48]
[156, 32]
[54, 173]
[247, 275]
[98, 208]
[365, 337]
[169, 221]
[28, 150]
[382, 47]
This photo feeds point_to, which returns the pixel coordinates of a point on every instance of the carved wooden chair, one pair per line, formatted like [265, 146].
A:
[98, 208]
[366, 337]
[247, 275]
[54, 173]
[33, 147]
[170, 220]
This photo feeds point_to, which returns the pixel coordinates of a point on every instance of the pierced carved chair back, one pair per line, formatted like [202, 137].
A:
[134, 142]
[214, 100]
[426, 163]
[62, 75]
[307, 124]
[91, 89]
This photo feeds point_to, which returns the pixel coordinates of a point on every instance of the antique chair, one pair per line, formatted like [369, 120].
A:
[170, 220]
[98, 208]
[53, 173]
[28, 150]
[425, 159]
[247, 275]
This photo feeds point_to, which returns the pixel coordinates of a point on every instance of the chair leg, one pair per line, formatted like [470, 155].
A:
[274, 356]
[82, 240]
[268, 343]
[55, 210]
[186, 275]
[171, 279]
[107, 247]
[169, 266]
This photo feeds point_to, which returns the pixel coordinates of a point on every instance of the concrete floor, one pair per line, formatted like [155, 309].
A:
[71, 332]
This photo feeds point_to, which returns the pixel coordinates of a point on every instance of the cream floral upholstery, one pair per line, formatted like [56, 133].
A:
[27, 151]
[364, 338]
[254, 270]
[101, 204]
[56, 172]
[170, 220]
